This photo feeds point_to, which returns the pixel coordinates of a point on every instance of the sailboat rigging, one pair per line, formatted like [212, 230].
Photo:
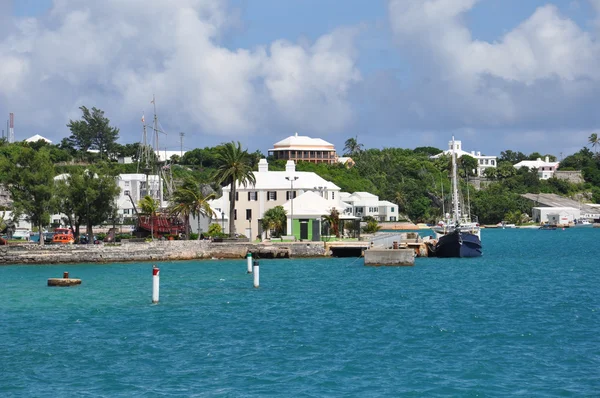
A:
[457, 235]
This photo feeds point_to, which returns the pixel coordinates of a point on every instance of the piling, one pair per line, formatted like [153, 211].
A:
[389, 257]
[249, 262]
[255, 272]
[155, 283]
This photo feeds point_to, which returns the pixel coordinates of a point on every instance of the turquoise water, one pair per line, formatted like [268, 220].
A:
[521, 320]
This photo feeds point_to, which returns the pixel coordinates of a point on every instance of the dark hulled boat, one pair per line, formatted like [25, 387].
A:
[458, 236]
[458, 244]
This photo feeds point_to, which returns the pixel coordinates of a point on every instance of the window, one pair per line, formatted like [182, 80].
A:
[126, 183]
[392, 210]
[271, 195]
[333, 195]
[252, 196]
[248, 214]
[486, 161]
[126, 192]
[235, 214]
[288, 196]
[493, 162]
[125, 211]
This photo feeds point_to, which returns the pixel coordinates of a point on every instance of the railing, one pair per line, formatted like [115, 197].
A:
[385, 240]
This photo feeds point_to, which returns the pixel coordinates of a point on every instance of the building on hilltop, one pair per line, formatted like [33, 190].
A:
[545, 168]
[306, 149]
[37, 138]
[483, 161]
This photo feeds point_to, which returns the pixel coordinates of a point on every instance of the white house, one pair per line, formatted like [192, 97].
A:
[483, 161]
[366, 204]
[277, 188]
[555, 215]
[137, 186]
[545, 167]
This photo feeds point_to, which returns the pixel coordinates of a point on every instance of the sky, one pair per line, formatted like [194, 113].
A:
[495, 74]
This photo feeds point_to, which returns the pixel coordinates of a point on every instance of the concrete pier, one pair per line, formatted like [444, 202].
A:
[389, 257]
[64, 281]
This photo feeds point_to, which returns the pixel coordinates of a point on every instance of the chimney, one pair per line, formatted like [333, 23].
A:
[478, 153]
[263, 166]
[290, 166]
[547, 159]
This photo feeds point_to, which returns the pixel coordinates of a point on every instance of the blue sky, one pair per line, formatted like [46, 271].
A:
[263, 69]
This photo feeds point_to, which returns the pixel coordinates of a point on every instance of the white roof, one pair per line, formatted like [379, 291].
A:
[275, 180]
[535, 164]
[166, 155]
[344, 159]
[365, 195]
[312, 204]
[386, 203]
[38, 137]
[460, 152]
[302, 142]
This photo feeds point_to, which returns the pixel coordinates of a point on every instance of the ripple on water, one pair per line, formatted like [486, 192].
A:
[521, 320]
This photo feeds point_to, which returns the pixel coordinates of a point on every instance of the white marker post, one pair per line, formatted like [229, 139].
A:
[249, 261]
[155, 283]
[255, 272]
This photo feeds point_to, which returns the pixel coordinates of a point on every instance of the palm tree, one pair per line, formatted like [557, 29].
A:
[594, 141]
[274, 219]
[333, 219]
[150, 207]
[352, 147]
[233, 168]
[187, 200]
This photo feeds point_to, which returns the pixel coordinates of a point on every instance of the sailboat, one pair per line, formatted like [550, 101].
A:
[457, 235]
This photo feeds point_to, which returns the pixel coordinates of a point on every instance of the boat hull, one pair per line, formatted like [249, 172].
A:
[458, 244]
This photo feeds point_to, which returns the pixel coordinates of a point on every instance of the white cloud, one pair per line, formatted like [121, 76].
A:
[114, 55]
[540, 76]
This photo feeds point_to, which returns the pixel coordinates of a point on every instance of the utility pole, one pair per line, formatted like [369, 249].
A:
[181, 142]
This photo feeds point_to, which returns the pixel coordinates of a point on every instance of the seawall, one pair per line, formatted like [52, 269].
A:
[153, 251]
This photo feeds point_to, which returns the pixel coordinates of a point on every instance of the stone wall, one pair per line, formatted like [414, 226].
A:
[574, 177]
[152, 251]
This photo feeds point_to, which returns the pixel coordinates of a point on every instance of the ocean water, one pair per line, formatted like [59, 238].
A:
[523, 320]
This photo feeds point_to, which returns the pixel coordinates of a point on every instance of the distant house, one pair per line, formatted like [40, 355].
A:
[545, 168]
[306, 149]
[483, 161]
[37, 138]
[365, 204]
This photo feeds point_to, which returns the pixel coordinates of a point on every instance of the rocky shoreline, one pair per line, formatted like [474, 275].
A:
[154, 251]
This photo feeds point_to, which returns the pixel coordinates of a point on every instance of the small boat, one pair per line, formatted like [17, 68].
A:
[63, 236]
[21, 233]
[458, 236]
[551, 227]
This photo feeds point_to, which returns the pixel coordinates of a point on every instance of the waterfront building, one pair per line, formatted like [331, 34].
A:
[136, 186]
[545, 168]
[483, 161]
[365, 204]
[276, 188]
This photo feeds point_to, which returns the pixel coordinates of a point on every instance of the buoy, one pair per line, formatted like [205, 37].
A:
[255, 272]
[64, 281]
[249, 262]
[155, 283]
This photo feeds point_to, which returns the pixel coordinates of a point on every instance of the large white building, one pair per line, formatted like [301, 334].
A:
[313, 198]
[483, 161]
[545, 168]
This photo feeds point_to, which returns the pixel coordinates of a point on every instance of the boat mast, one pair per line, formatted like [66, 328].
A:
[454, 184]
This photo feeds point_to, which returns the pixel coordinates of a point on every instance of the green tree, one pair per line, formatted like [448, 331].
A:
[468, 165]
[594, 141]
[93, 132]
[187, 200]
[148, 206]
[371, 227]
[233, 168]
[352, 147]
[101, 190]
[275, 220]
[333, 220]
[29, 175]
[512, 157]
